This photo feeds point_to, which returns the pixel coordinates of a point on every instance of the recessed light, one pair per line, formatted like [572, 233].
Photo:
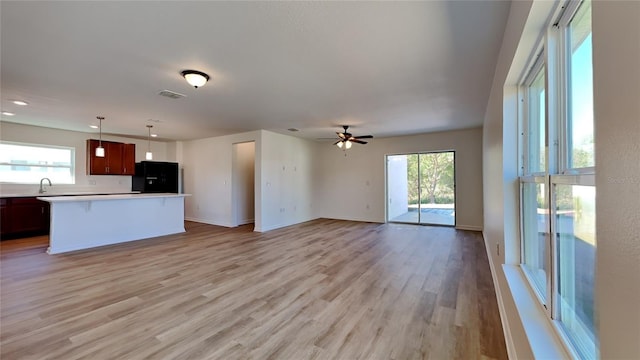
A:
[6, 113]
[154, 135]
[93, 126]
[20, 102]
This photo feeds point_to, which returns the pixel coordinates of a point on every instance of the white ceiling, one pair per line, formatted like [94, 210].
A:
[386, 68]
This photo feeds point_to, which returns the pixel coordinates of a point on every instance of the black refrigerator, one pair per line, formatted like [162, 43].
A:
[155, 177]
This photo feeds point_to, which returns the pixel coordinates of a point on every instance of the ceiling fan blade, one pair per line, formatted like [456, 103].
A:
[365, 137]
[340, 135]
[357, 141]
[337, 142]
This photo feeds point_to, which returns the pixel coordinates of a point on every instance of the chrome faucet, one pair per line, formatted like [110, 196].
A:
[42, 191]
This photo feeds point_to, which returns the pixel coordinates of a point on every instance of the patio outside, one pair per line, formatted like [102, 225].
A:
[443, 214]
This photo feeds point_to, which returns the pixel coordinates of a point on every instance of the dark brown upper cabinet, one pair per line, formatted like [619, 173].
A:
[119, 158]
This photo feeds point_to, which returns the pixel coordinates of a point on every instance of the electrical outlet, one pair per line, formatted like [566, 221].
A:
[92, 182]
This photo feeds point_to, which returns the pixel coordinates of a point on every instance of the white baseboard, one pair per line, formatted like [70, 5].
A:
[355, 220]
[206, 221]
[268, 228]
[469, 227]
[508, 338]
[281, 225]
[246, 221]
[543, 341]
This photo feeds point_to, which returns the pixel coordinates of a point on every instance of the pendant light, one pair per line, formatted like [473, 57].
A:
[149, 155]
[100, 149]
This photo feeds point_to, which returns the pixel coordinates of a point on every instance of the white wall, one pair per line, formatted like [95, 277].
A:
[616, 77]
[243, 183]
[284, 180]
[14, 132]
[288, 180]
[494, 187]
[352, 187]
[398, 187]
[208, 176]
[616, 55]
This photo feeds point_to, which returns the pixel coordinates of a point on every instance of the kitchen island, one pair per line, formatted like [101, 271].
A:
[83, 222]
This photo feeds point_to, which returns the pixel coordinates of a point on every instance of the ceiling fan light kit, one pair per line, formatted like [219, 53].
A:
[346, 140]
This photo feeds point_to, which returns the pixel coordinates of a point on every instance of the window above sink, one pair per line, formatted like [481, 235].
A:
[22, 163]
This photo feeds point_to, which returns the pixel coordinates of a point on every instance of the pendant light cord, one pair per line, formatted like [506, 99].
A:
[100, 118]
[149, 138]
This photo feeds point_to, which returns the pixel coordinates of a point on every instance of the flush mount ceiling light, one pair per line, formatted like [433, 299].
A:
[195, 78]
[93, 126]
[7, 113]
[149, 155]
[100, 149]
[20, 102]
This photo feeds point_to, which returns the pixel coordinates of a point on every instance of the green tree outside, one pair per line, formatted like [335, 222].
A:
[436, 180]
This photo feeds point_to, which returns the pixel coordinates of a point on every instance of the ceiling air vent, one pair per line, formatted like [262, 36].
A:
[171, 94]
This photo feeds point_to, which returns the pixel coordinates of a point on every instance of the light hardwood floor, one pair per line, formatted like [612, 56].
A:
[324, 289]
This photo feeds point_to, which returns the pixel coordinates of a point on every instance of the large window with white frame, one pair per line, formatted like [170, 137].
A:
[557, 182]
[28, 163]
[535, 224]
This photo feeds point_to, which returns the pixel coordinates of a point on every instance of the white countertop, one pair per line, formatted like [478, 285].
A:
[68, 193]
[109, 197]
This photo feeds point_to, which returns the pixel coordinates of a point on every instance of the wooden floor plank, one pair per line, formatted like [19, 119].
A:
[324, 289]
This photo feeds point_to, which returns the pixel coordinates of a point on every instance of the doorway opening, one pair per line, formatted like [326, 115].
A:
[421, 188]
[243, 184]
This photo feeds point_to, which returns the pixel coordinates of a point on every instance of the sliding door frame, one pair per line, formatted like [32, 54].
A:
[386, 193]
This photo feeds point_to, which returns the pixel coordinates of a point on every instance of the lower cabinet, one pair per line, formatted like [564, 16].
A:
[23, 216]
[4, 217]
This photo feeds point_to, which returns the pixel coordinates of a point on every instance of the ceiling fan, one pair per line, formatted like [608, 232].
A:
[345, 139]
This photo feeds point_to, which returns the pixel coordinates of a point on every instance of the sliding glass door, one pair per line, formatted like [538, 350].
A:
[421, 188]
